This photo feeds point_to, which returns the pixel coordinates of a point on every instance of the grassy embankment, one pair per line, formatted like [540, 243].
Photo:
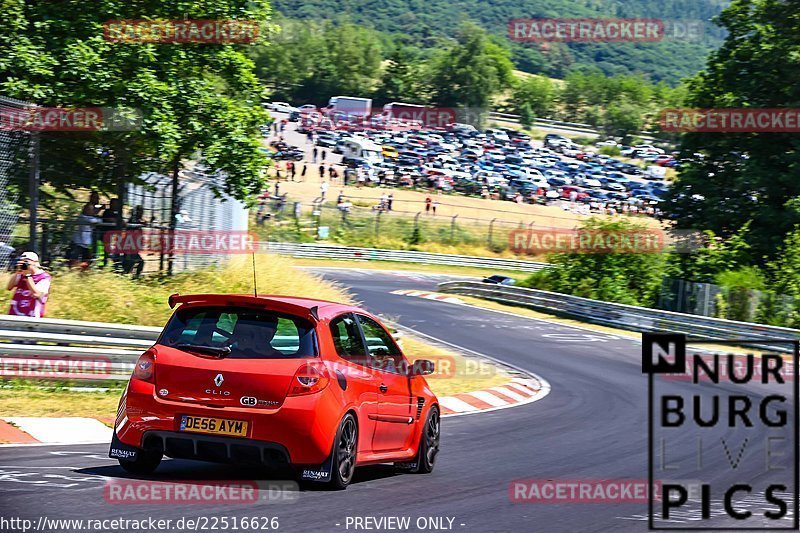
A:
[106, 297]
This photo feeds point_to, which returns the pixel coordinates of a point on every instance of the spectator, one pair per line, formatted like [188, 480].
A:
[332, 172]
[133, 262]
[303, 173]
[314, 153]
[31, 286]
[389, 201]
[340, 198]
[83, 237]
[346, 176]
[324, 154]
[112, 218]
[434, 206]
[323, 189]
[428, 204]
[290, 171]
[321, 172]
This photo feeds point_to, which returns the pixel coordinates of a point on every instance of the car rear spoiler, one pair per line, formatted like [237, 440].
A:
[264, 302]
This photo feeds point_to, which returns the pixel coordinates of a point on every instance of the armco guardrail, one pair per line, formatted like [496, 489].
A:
[622, 316]
[557, 125]
[330, 251]
[70, 349]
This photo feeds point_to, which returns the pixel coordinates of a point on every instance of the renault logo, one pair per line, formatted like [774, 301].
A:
[218, 380]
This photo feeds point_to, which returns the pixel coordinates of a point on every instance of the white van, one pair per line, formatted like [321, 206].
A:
[359, 148]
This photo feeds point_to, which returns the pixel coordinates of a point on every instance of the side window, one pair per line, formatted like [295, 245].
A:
[384, 351]
[347, 339]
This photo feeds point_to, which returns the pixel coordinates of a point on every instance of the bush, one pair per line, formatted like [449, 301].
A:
[610, 150]
[623, 277]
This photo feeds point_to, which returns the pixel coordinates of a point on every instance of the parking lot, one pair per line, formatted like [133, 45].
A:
[499, 163]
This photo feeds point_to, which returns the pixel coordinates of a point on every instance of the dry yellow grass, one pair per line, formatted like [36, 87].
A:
[454, 373]
[107, 297]
[465, 207]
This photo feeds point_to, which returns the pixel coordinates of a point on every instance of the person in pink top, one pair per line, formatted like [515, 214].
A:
[31, 285]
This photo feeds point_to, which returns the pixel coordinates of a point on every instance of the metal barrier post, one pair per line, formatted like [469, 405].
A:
[489, 239]
[453, 229]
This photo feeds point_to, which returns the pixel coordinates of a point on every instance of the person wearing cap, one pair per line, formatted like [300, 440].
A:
[31, 286]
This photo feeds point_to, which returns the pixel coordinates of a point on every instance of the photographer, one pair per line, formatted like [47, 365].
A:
[31, 286]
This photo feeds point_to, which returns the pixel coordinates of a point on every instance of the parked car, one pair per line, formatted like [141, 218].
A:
[280, 107]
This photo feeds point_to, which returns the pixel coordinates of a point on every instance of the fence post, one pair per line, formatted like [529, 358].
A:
[377, 224]
[489, 239]
[453, 228]
[45, 244]
[33, 189]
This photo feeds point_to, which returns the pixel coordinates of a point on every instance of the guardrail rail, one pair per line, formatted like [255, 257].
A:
[332, 251]
[629, 317]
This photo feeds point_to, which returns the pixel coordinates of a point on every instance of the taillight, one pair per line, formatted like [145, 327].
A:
[308, 379]
[145, 367]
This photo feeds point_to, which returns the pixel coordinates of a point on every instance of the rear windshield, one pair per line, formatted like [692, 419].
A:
[249, 333]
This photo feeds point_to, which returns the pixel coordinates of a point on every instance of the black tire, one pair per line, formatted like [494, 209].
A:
[145, 463]
[345, 448]
[429, 443]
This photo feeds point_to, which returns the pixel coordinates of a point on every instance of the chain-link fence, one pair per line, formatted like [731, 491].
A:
[281, 219]
[15, 153]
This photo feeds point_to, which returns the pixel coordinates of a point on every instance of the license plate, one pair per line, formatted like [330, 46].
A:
[214, 426]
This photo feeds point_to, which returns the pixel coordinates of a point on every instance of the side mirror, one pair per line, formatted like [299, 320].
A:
[421, 367]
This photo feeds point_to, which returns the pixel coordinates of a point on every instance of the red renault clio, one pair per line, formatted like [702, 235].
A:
[280, 382]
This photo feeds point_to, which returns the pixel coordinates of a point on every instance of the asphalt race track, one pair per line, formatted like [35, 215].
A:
[593, 425]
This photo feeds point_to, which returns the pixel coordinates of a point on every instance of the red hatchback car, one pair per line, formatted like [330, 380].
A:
[280, 382]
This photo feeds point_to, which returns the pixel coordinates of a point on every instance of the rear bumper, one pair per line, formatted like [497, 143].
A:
[299, 432]
[180, 445]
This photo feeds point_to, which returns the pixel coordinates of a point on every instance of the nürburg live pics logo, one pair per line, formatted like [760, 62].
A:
[722, 445]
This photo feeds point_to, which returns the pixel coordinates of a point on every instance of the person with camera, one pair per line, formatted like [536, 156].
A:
[31, 286]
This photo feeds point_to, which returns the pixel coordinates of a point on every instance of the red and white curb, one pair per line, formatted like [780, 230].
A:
[429, 296]
[518, 391]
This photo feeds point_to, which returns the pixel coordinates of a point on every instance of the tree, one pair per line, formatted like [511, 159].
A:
[400, 79]
[471, 71]
[535, 91]
[195, 100]
[623, 120]
[526, 116]
[745, 177]
[619, 276]
[311, 61]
